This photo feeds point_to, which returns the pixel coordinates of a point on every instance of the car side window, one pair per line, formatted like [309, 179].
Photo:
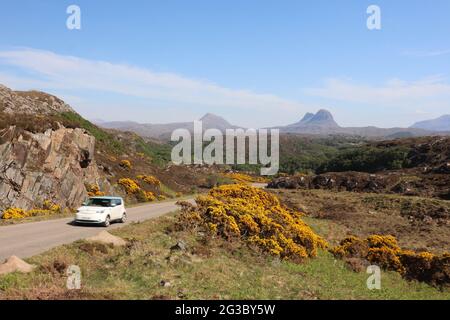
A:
[118, 202]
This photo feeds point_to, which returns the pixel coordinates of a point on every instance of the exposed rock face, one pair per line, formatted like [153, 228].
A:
[30, 102]
[53, 165]
[404, 183]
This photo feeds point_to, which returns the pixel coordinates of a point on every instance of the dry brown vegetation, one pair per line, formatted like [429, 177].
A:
[417, 223]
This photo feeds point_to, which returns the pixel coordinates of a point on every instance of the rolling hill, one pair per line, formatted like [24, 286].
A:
[439, 124]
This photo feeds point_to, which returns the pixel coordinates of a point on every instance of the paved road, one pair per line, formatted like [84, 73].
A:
[28, 239]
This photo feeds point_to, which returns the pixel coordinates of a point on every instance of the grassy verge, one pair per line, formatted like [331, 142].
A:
[208, 269]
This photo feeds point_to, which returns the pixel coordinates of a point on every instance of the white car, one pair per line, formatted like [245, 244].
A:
[102, 210]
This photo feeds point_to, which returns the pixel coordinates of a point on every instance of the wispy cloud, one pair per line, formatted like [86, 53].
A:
[48, 70]
[394, 92]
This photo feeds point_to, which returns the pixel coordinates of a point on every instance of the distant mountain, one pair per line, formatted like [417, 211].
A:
[439, 124]
[308, 116]
[210, 120]
[164, 131]
[323, 123]
[323, 119]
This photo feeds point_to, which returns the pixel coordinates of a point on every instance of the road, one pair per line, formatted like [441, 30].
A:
[29, 239]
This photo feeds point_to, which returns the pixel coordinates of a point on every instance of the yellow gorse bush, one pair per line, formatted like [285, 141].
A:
[94, 191]
[257, 217]
[150, 180]
[244, 178]
[48, 208]
[130, 186]
[150, 196]
[385, 252]
[126, 164]
[14, 213]
[51, 206]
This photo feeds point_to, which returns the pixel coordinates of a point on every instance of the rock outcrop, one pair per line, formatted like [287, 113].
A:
[405, 183]
[30, 102]
[53, 165]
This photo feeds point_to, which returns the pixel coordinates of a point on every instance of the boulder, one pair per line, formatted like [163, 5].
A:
[107, 238]
[15, 264]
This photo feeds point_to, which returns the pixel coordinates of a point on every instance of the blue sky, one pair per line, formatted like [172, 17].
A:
[256, 63]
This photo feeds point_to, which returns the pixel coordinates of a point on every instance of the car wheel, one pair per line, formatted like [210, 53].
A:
[107, 222]
[124, 218]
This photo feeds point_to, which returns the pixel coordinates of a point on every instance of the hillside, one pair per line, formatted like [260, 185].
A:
[414, 166]
[50, 153]
[439, 124]
[164, 131]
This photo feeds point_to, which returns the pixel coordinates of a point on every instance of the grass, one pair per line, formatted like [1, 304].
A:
[158, 153]
[109, 141]
[209, 269]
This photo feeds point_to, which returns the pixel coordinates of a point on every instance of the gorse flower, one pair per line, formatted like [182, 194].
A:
[130, 186]
[150, 180]
[51, 206]
[94, 190]
[244, 178]
[126, 164]
[150, 196]
[14, 213]
[385, 252]
[257, 217]
[48, 208]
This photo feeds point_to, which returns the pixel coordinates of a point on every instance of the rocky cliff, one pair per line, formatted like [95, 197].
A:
[53, 165]
[49, 152]
[50, 162]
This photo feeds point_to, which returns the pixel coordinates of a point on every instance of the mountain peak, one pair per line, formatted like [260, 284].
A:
[211, 116]
[323, 118]
[211, 120]
[308, 116]
[323, 114]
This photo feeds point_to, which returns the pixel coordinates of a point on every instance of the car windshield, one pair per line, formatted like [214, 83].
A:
[98, 202]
